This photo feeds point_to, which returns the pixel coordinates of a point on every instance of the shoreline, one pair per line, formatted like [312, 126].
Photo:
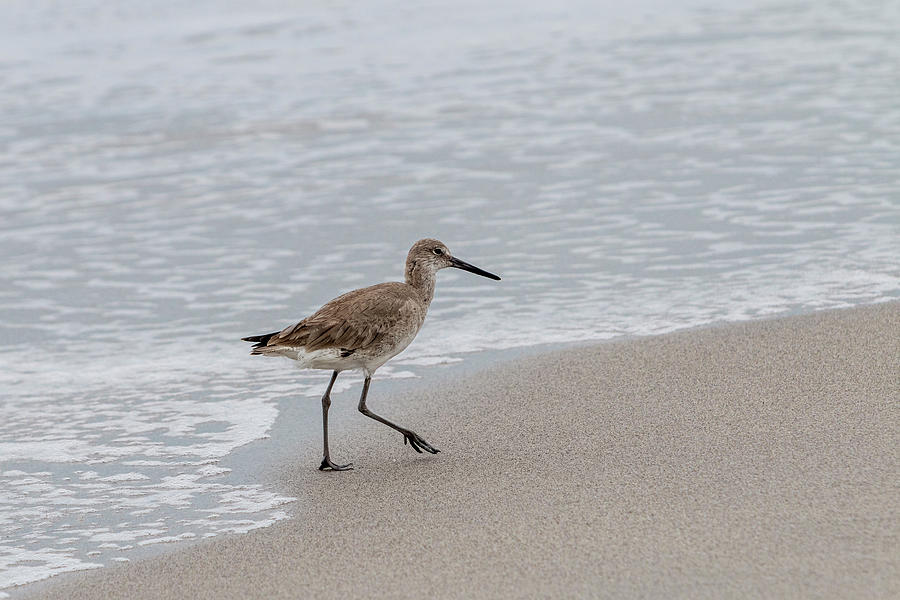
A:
[680, 464]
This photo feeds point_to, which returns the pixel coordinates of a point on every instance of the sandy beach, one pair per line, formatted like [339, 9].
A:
[747, 460]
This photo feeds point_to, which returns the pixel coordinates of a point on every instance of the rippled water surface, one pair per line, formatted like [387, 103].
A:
[176, 175]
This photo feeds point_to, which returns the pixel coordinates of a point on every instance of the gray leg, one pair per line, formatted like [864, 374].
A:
[326, 403]
[417, 443]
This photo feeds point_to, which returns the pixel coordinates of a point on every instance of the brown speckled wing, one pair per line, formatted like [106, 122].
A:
[355, 321]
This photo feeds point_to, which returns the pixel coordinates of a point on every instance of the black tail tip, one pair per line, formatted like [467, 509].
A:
[260, 340]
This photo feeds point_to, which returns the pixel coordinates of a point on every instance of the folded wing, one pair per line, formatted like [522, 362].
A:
[355, 321]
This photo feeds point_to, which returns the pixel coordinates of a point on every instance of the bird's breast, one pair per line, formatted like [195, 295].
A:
[392, 344]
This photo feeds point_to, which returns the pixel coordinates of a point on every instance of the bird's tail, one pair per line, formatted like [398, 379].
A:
[259, 340]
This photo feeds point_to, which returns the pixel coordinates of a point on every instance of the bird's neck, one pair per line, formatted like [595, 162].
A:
[422, 279]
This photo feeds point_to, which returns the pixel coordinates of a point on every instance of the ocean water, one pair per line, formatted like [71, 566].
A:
[174, 176]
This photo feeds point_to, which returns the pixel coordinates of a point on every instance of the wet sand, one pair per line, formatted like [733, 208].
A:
[747, 460]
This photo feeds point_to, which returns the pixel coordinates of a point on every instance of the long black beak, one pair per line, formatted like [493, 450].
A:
[461, 264]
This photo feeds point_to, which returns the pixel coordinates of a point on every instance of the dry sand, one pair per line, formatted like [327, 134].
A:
[750, 460]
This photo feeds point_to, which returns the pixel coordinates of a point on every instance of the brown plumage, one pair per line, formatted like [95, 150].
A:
[365, 328]
[356, 320]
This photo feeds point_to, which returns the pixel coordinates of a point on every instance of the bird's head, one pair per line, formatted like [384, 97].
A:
[430, 256]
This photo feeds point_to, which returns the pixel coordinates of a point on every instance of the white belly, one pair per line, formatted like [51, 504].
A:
[328, 359]
[379, 356]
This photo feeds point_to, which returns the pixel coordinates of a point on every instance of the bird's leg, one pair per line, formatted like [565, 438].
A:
[326, 403]
[417, 443]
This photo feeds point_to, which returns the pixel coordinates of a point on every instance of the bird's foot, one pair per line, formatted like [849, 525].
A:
[327, 465]
[417, 443]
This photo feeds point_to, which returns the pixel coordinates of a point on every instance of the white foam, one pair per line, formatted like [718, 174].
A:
[14, 569]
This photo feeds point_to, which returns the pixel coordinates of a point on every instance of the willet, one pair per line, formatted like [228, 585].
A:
[365, 328]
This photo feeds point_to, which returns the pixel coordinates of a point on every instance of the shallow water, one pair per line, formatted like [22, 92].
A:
[175, 176]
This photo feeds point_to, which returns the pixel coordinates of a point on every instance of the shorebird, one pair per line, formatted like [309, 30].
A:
[365, 328]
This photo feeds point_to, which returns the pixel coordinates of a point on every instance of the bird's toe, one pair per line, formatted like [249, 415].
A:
[418, 444]
[327, 465]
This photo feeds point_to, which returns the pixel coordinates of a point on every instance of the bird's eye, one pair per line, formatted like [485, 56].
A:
[438, 251]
